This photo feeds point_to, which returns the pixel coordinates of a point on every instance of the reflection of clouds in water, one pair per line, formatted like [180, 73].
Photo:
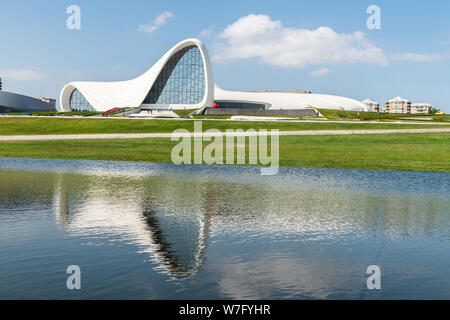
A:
[331, 215]
[264, 277]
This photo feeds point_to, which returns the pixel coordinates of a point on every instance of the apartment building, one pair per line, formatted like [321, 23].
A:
[372, 106]
[420, 108]
[398, 105]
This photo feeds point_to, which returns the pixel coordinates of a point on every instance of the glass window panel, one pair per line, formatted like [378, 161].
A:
[241, 105]
[182, 80]
[78, 102]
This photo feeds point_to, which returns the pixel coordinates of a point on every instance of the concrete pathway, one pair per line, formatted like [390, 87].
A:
[426, 123]
[220, 134]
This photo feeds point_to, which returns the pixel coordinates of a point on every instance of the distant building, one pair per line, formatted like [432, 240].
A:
[50, 101]
[372, 105]
[13, 102]
[420, 108]
[398, 105]
[1, 84]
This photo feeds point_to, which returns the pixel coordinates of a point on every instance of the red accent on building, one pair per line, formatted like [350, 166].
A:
[110, 111]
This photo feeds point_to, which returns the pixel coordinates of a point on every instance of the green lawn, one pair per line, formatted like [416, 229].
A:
[28, 126]
[353, 115]
[417, 152]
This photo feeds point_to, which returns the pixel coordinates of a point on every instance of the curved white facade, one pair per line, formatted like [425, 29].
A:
[290, 100]
[103, 96]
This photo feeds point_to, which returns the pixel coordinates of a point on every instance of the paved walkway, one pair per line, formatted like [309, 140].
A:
[210, 134]
[273, 119]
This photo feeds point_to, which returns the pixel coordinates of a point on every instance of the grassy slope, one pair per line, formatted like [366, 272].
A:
[27, 126]
[418, 152]
[183, 113]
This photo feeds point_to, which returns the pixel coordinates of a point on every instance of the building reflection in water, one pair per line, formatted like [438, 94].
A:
[169, 216]
[302, 233]
[171, 227]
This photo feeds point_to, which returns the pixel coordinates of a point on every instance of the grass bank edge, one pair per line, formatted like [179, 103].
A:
[406, 152]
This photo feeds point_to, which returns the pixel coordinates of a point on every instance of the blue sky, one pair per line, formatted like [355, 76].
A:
[409, 56]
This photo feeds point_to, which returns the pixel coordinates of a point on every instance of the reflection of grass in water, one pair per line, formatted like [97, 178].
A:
[417, 152]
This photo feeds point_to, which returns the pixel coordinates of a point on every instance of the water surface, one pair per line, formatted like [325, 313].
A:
[160, 231]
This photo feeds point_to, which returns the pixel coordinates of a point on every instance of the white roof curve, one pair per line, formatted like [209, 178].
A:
[290, 100]
[131, 93]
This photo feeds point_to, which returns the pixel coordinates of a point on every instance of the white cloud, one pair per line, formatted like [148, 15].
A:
[257, 36]
[25, 74]
[419, 57]
[159, 21]
[205, 33]
[320, 72]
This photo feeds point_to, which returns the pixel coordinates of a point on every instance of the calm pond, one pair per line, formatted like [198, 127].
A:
[161, 231]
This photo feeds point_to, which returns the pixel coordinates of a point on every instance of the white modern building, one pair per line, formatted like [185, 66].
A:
[373, 106]
[183, 79]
